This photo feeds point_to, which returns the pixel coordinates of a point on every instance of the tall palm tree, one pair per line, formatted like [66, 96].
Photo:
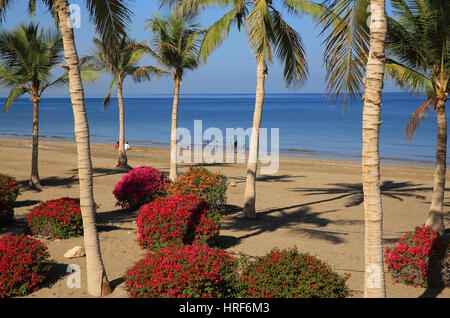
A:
[419, 47]
[110, 18]
[28, 55]
[268, 35]
[373, 211]
[120, 59]
[175, 46]
[352, 50]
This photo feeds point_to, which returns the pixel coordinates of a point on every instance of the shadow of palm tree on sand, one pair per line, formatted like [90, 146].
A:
[301, 221]
[354, 191]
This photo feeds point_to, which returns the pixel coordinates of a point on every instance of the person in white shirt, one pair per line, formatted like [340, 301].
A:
[127, 146]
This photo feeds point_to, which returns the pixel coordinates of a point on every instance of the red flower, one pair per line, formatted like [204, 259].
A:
[60, 218]
[23, 265]
[174, 221]
[414, 259]
[191, 271]
[141, 185]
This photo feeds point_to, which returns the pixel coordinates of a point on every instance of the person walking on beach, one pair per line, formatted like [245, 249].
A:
[127, 146]
[117, 145]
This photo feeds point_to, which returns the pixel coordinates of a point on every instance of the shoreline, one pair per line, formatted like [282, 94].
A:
[294, 153]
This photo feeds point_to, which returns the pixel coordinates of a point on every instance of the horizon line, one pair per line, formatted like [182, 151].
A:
[137, 95]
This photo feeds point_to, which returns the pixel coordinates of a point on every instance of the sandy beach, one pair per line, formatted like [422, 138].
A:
[313, 204]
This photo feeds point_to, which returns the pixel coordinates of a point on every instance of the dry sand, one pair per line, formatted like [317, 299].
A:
[313, 204]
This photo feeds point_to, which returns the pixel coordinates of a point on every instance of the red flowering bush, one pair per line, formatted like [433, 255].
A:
[193, 271]
[6, 213]
[174, 221]
[9, 189]
[289, 274]
[418, 257]
[24, 263]
[141, 185]
[204, 184]
[60, 218]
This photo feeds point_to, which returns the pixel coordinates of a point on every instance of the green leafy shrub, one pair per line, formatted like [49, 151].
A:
[60, 218]
[202, 183]
[24, 263]
[192, 271]
[176, 220]
[9, 189]
[289, 274]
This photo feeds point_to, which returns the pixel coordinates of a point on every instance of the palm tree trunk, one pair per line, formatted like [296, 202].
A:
[173, 175]
[97, 281]
[122, 160]
[34, 178]
[252, 165]
[374, 283]
[435, 217]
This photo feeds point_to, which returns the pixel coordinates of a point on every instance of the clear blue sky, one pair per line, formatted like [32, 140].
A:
[231, 68]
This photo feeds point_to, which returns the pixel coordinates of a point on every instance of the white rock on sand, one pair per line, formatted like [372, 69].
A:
[77, 251]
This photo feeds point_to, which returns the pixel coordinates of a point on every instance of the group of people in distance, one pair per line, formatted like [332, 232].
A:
[232, 146]
[180, 145]
[127, 146]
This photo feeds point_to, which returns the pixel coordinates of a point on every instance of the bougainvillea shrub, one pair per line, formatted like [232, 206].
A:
[24, 263]
[193, 271]
[60, 218]
[175, 221]
[418, 258]
[289, 274]
[141, 185]
[202, 183]
[9, 189]
[6, 213]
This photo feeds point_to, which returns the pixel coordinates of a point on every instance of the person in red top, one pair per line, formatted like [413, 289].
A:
[117, 145]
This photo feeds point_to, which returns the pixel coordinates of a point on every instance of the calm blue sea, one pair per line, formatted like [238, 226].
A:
[308, 124]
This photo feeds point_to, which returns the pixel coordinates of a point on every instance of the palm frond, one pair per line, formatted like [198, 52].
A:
[148, 72]
[407, 78]
[4, 6]
[260, 31]
[289, 49]
[419, 114]
[107, 99]
[187, 7]
[14, 93]
[110, 17]
[346, 47]
[216, 34]
[28, 54]
[317, 11]
[176, 41]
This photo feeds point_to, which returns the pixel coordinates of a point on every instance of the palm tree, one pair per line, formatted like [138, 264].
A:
[110, 18]
[120, 60]
[268, 35]
[175, 46]
[351, 50]
[418, 42]
[27, 58]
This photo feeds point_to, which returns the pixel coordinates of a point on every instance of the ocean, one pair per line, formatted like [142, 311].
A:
[309, 125]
